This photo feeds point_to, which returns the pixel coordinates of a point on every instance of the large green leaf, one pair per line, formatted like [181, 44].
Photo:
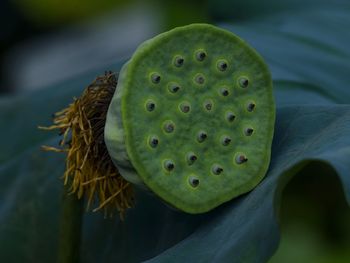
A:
[308, 55]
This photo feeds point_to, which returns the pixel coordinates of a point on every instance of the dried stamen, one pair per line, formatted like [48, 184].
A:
[89, 168]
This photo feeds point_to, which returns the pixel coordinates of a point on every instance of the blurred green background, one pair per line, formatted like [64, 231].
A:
[46, 41]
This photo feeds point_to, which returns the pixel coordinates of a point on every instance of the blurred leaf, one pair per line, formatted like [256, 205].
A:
[310, 48]
[308, 55]
[238, 10]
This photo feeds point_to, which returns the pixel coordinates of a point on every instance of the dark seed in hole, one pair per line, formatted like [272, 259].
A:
[199, 79]
[173, 87]
[230, 117]
[217, 169]
[226, 140]
[200, 55]
[169, 165]
[169, 127]
[153, 142]
[191, 158]
[150, 106]
[179, 61]
[249, 131]
[202, 136]
[222, 65]
[194, 181]
[155, 78]
[224, 92]
[241, 159]
[243, 82]
[208, 106]
[250, 107]
[185, 107]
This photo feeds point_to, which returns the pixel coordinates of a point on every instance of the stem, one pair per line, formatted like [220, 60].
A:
[70, 227]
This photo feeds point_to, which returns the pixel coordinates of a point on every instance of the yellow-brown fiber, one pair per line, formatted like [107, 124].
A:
[89, 167]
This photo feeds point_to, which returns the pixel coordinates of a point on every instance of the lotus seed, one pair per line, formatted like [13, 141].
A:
[173, 87]
[230, 116]
[208, 105]
[241, 159]
[155, 77]
[222, 65]
[150, 106]
[200, 55]
[191, 158]
[153, 142]
[216, 169]
[199, 79]
[169, 165]
[185, 107]
[194, 182]
[250, 107]
[249, 131]
[225, 140]
[169, 127]
[243, 82]
[224, 92]
[179, 61]
[202, 136]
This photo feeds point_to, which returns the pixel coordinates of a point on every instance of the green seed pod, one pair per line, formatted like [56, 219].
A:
[192, 117]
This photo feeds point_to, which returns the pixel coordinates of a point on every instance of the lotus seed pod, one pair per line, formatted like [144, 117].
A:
[192, 117]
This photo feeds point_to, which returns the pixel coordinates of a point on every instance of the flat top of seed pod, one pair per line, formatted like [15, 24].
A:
[198, 113]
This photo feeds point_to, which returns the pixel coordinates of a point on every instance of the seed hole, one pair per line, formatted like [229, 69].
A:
[208, 105]
[241, 158]
[153, 141]
[173, 87]
[230, 116]
[202, 135]
[169, 126]
[191, 158]
[169, 165]
[185, 107]
[225, 140]
[222, 65]
[251, 106]
[150, 106]
[155, 77]
[243, 82]
[199, 79]
[248, 131]
[224, 92]
[200, 55]
[217, 169]
[178, 61]
[194, 182]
